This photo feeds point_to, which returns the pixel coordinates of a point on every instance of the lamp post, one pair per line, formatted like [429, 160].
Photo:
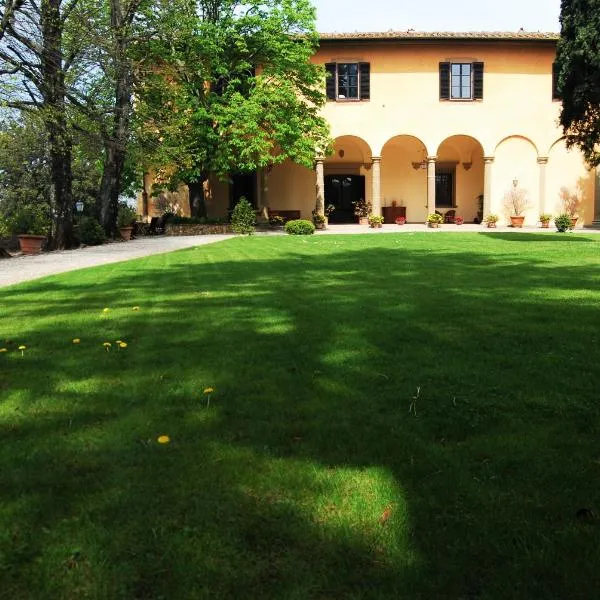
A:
[79, 206]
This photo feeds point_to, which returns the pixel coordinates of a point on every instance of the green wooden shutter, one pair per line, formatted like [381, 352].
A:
[365, 80]
[556, 95]
[330, 82]
[478, 81]
[444, 81]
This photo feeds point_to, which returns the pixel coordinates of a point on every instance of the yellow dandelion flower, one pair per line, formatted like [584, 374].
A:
[163, 439]
[106, 310]
[76, 341]
[118, 342]
[208, 390]
[3, 350]
[136, 308]
[123, 345]
[22, 347]
[107, 345]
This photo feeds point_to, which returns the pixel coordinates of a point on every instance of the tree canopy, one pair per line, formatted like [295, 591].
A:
[231, 89]
[578, 63]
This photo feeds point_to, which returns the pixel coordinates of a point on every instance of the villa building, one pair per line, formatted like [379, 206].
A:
[430, 121]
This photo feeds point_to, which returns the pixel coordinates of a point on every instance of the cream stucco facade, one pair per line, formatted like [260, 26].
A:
[404, 142]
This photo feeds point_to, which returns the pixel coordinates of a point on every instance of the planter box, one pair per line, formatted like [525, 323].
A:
[31, 244]
[198, 229]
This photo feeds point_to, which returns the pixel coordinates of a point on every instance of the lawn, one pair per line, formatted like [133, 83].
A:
[393, 416]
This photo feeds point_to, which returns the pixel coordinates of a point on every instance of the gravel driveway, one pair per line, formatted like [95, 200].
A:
[25, 268]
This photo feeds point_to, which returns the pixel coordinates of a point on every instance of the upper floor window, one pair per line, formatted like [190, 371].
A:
[348, 81]
[461, 81]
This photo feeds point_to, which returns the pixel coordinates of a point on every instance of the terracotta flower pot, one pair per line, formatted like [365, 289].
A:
[126, 233]
[31, 244]
[574, 221]
[363, 220]
[545, 224]
[517, 221]
[433, 225]
[491, 225]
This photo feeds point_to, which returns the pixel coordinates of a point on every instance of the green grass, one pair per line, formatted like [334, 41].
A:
[410, 416]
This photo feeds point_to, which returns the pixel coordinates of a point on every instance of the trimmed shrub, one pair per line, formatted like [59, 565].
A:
[563, 223]
[91, 233]
[243, 218]
[299, 227]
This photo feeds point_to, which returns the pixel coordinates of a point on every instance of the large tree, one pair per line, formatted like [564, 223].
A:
[232, 88]
[578, 64]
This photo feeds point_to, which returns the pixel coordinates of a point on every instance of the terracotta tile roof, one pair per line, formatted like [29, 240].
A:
[412, 35]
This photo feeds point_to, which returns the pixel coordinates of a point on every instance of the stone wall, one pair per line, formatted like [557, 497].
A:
[197, 229]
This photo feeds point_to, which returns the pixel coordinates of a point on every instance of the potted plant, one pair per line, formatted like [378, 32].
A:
[125, 220]
[516, 202]
[434, 220]
[545, 219]
[571, 202]
[400, 220]
[362, 209]
[375, 221]
[30, 223]
[563, 222]
[491, 221]
[276, 222]
[459, 220]
[320, 221]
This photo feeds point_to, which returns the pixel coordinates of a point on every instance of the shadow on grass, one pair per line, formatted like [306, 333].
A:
[387, 422]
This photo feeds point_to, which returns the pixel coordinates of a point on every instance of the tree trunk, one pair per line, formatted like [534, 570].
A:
[197, 201]
[60, 143]
[116, 143]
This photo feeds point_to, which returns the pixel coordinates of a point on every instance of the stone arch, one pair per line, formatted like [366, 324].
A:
[348, 176]
[516, 163]
[460, 157]
[404, 175]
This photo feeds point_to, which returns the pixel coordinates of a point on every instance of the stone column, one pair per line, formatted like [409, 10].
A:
[376, 181]
[596, 222]
[487, 185]
[264, 193]
[431, 160]
[542, 161]
[320, 193]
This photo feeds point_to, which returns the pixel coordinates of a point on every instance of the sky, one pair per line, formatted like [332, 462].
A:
[437, 15]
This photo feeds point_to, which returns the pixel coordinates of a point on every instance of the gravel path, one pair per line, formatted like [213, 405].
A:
[25, 268]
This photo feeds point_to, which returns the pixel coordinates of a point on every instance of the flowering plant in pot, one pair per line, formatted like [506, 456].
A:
[435, 220]
[320, 221]
[31, 224]
[276, 221]
[362, 209]
[375, 221]
[491, 220]
[545, 219]
[125, 219]
[400, 220]
[459, 220]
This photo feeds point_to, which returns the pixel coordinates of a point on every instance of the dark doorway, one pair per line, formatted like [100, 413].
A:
[444, 187]
[342, 191]
[242, 184]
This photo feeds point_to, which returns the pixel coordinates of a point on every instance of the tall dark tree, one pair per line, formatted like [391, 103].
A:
[578, 65]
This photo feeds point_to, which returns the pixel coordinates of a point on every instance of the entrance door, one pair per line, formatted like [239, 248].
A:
[342, 191]
[242, 184]
[444, 187]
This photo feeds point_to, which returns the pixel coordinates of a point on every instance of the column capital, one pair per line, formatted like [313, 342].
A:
[319, 160]
[542, 160]
[375, 159]
[432, 159]
[488, 159]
